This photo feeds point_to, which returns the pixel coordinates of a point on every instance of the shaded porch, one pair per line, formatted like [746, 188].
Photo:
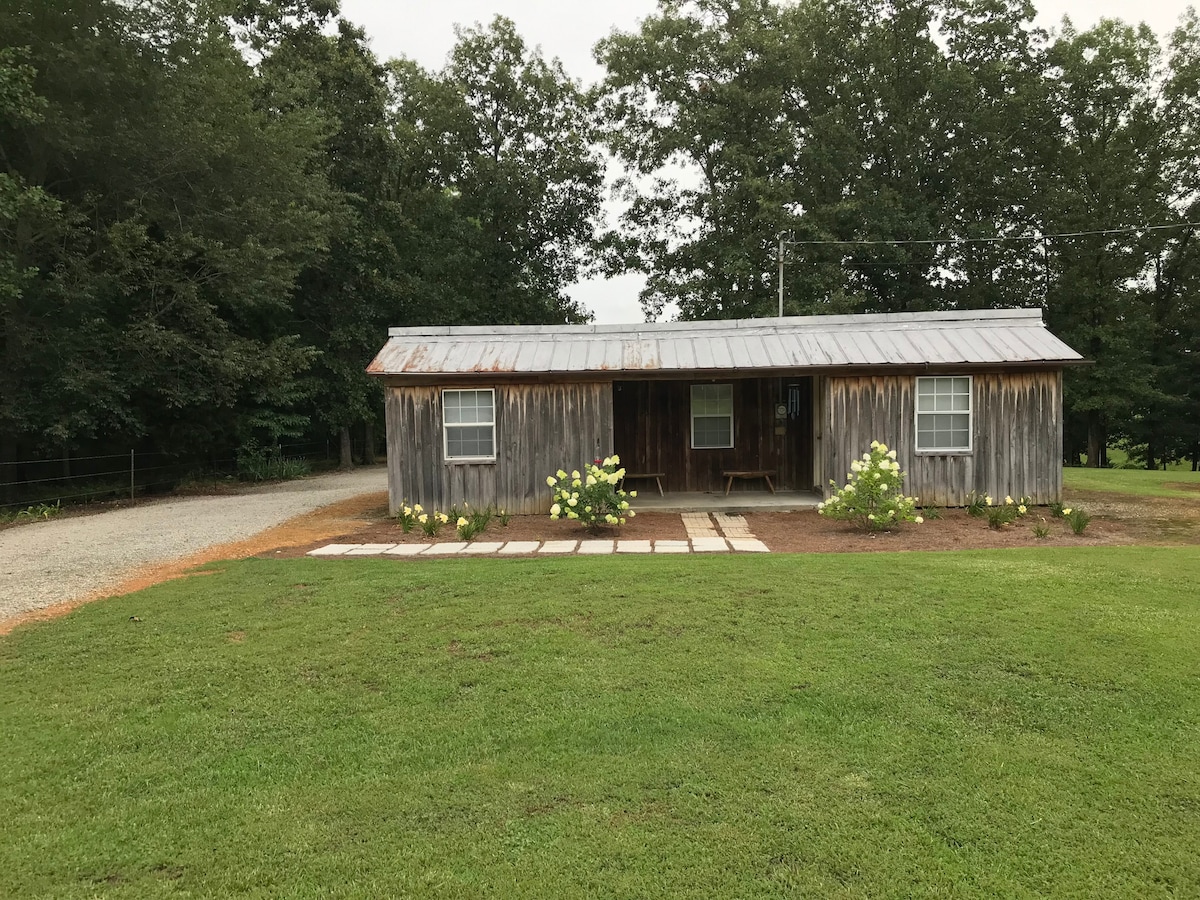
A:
[688, 436]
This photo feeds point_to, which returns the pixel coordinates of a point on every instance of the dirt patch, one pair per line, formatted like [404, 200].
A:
[807, 532]
[316, 527]
[1118, 520]
[1183, 486]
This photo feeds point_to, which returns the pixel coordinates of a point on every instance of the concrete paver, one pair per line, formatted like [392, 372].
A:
[407, 549]
[483, 547]
[709, 545]
[519, 547]
[596, 547]
[369, 549]
[672, 547]
[332, 550]
[559, 547]
[633, 547]
[748, 545]
[446, 549]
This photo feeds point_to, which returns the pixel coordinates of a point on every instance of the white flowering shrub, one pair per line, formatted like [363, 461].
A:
[873, 495]
[592, 497]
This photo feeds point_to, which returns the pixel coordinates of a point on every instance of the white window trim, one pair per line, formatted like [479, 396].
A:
[692, 414]
[944, 451]
[446, 426]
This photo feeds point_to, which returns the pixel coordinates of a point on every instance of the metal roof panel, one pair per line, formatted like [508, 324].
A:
[977, 337]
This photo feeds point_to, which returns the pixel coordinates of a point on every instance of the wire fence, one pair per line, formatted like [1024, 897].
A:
[26, 483]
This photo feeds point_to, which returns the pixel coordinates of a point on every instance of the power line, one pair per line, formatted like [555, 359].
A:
[1032, 238]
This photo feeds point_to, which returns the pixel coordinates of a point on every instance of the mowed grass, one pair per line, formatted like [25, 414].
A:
[1138, 482]
[976, 724]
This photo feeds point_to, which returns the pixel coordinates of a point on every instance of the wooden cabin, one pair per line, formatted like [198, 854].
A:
[969, 400]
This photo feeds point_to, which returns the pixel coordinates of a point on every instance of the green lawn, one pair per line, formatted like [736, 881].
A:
[977, 724]
[1148, 483]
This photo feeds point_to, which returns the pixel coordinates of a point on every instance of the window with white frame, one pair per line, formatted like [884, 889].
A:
[469, 423]
[944, 413]
[712, 416]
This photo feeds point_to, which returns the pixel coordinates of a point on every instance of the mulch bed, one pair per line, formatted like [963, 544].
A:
[785, 532]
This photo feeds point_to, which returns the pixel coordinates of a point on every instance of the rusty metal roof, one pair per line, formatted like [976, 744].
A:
[972, 338]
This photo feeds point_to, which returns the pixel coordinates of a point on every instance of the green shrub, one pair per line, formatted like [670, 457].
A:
[1077, 519]
[408, 517]
[873, 497]
[431, 523]
[255, 463]
[977, 504]
[593, 498]
[1041, 531]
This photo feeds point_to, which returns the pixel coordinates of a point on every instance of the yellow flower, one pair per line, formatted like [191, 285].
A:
[573, 502]
[576, 483]
[461, 522]
[571, 514]
[632, 514]
[882, 448]
[633, 493]
[591, 479]
[561, 474]
[555, 509]
[575, 475]
[550, 480]
[616, 460]
[418, 508]
[1021, 509]
[918, 520]
[607, 461]
[422, 518]
[1007, 500]
[988, 500]
[621, 521]
[1066, 511]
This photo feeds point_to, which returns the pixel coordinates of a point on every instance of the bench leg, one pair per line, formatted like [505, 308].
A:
[769, 485]
[728, 485]
[658, 481]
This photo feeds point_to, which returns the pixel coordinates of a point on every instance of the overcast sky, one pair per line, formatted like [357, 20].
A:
[569, 29]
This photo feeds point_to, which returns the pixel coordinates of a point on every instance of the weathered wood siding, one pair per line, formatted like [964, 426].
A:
[653, 433]
[539, 428]
[1016, 435]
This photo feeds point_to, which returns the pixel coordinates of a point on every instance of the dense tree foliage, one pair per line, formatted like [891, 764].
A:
[914, 154]
[211, 211]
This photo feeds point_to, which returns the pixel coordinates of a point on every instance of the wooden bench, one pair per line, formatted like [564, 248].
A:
[753, 473]
[657, 476]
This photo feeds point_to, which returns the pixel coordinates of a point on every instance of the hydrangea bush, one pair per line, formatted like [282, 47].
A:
[873, 495]
[592, 497]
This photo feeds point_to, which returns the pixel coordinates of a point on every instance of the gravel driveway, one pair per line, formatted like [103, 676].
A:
[55, 561]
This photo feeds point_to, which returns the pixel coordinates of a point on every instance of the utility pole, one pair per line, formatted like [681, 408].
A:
[781, 274]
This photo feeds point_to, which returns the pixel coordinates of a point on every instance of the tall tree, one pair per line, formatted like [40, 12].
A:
[499, 148]
[1109, 173]
[184, 213]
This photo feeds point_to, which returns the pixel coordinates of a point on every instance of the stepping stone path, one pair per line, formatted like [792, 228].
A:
[701, 529]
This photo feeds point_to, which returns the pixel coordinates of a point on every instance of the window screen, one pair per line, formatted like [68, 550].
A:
[712, 416]
[944, 413]
[470, 424]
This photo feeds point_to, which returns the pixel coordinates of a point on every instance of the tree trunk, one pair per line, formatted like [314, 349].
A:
[1097, 441]
[369, 443]
[347, 461]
